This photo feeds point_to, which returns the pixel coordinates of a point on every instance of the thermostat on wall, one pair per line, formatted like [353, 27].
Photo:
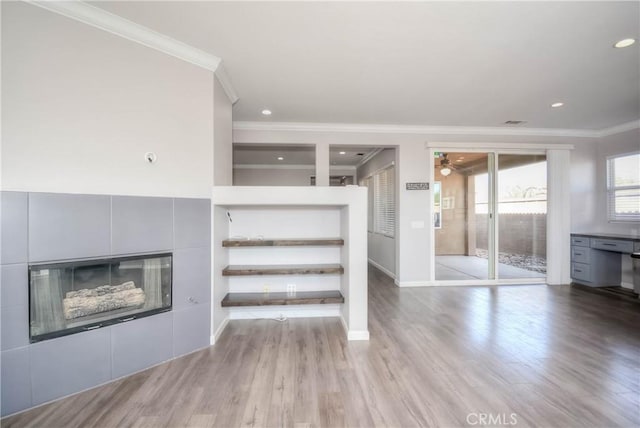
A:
[150, 157]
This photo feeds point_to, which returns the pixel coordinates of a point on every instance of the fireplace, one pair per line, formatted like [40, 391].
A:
[70, 297]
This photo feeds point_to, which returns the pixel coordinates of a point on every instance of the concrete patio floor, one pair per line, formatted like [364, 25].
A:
[471, 267]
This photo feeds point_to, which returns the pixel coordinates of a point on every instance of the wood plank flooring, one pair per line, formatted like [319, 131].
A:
[551, 356]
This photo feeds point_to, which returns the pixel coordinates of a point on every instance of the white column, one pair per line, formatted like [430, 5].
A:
[558, 217]
[354, 259]
[414, 228]
[222, 136]
[322, 164]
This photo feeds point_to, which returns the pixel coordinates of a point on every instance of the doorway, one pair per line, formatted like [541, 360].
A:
[489, 216]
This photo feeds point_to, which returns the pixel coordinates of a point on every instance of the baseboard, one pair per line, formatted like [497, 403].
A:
[627, 285]
[354, 334]
[345, 327]
[473, 283]
[218, 332]
[358, 335]
[382, 269]
[414, 283]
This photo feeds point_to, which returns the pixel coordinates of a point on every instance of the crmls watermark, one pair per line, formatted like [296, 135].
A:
[493, 419]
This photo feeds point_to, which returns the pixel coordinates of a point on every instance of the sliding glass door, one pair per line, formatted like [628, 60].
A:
[463, 218]
[522, 216]
[489, 216]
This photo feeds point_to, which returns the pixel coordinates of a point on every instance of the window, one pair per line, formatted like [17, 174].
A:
[623, 187]
[384, 204]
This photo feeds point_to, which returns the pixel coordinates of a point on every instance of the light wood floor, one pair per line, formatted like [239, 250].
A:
[553, 356]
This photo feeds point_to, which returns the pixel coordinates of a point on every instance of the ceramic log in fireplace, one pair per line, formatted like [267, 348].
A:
[66, 298]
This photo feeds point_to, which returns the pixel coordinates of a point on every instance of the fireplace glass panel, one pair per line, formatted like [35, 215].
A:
[66, 298]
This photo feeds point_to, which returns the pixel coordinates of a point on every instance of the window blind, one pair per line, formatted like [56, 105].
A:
[384, 205]
[623, 187]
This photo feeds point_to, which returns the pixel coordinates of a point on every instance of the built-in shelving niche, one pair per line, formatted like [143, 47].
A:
[293, 252]
[316, 297]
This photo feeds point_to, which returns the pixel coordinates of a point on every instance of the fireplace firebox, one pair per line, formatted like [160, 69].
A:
[70, 297]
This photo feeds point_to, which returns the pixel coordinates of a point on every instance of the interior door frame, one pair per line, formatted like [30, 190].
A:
[493, 232]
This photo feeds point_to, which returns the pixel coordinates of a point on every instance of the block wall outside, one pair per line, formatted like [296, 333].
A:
[519, 233]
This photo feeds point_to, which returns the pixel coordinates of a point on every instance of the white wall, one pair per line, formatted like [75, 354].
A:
[222, 137]
[290, 176]
[583, 183]
[589, 190]
[381, 248]
[414, 264]
[589, 184]
[272, 177]
[81, 106]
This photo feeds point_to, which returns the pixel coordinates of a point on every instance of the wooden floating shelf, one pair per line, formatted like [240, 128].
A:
[281, 242]
[320, 269]
[267, 299]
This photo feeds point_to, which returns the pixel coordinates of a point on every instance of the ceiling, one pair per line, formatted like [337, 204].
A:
[263, 154]
[416, 63]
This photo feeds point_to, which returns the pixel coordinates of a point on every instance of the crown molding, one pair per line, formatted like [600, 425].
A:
[483, 146]
[618, 129]
[114, 24]
[119, 26]
[225, 82]
[413, 129]
[434, 130]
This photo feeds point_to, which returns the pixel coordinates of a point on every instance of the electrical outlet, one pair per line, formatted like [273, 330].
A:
[266, 289]
[291, 289]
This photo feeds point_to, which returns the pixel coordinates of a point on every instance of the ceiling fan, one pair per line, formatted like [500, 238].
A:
[446, 167]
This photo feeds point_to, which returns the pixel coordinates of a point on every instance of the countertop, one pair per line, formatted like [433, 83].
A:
[608, 236]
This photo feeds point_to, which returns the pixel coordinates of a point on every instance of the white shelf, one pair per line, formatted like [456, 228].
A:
[309, 214]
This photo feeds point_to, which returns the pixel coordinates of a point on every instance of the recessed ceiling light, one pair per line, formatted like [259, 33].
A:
[556, 105]
[343, 153]
[624, 43]
[266, 112]
[459, 160]
[280, 158]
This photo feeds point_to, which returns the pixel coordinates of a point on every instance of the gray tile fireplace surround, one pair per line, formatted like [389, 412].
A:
[40, 227]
